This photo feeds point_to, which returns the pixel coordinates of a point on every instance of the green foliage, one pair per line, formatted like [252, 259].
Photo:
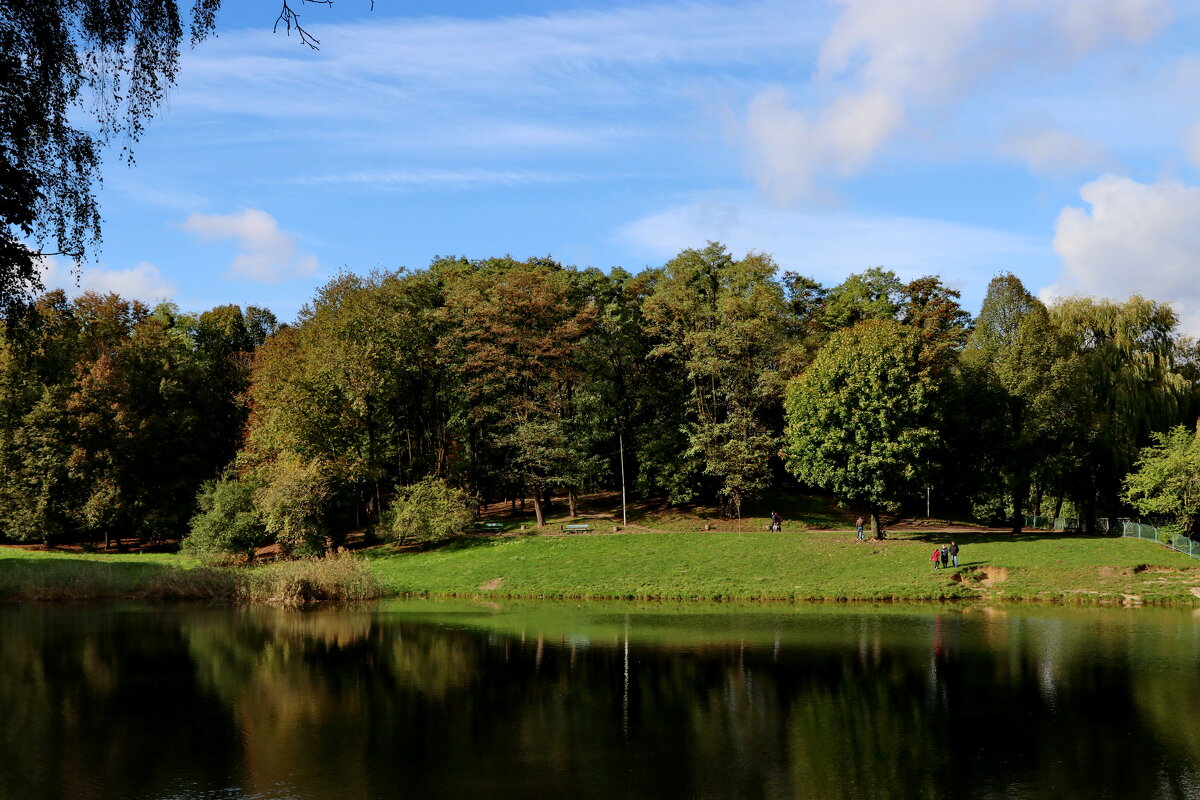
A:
[1166, 480]
[291, 498]
[112, 415]
[227, 521]
[863, 420]
[721, 326]
[428, 511]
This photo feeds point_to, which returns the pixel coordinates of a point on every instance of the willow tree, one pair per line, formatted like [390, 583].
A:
[1125, 356]
[864, 420]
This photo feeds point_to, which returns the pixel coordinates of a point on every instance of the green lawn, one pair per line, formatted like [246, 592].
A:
[809, 565]
[720, 565]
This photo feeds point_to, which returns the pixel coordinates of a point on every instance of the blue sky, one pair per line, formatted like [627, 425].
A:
[1057, 140]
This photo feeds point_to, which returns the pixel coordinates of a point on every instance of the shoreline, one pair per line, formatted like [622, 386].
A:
[815, 567]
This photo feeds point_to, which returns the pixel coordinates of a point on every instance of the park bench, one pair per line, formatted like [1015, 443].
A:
[576, 527]
[490, 527]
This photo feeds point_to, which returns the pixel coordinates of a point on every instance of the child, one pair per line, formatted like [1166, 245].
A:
[936, 558]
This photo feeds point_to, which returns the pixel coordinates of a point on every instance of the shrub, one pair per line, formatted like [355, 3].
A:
[428, 511]
[341, 577]
[227, 521]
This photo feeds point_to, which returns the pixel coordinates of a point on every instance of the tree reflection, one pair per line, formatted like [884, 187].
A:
[188, 702]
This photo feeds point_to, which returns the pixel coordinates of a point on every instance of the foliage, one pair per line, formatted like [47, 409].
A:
[291, 499]
[428, 511]
[720, 324]
[1166, 480]
[863, 420]
[227, 521]
[113, 414]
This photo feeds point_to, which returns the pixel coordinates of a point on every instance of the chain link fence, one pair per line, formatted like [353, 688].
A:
[1123, 526]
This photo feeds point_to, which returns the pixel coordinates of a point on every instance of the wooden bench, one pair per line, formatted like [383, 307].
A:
[576, 527]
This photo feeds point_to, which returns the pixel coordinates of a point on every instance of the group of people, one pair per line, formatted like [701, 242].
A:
[942, 555]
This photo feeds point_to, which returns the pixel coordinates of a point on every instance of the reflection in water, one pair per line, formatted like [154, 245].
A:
[428, 700]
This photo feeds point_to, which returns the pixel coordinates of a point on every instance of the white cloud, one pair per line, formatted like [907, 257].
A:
[830, 246]
[1052, 151]
[144, 281]
[265, 252]
[884, 59]
[384, 67]
[1135, 238]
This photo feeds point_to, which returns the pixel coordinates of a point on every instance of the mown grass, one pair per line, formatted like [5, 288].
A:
[50, 576]
[793, 565]
[810, 565]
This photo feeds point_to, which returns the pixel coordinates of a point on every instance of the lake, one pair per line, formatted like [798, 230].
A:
[428, 699]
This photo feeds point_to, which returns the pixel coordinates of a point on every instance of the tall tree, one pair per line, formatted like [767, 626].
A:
[1013, 349]
[723, 323]
[513, 345]
[864, 419]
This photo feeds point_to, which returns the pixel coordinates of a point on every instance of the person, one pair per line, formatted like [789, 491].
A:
[945, 553]
[954, 552]
[858, 526]
[936, 558]
[776, 521]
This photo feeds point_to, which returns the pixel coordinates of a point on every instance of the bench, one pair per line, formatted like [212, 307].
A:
[490, 527]
[576, 527]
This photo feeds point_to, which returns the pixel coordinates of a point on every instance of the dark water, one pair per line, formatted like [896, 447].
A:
[427, 700]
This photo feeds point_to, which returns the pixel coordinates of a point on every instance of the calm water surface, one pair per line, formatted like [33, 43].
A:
[421, 699]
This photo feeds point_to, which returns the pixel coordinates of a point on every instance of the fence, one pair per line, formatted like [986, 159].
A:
[1125, 527]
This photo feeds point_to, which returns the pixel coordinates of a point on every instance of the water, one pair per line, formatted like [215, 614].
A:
[421, 699]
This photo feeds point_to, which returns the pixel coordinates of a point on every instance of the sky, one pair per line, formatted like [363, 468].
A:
[1055, 139]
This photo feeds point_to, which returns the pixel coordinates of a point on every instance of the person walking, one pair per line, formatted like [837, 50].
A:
[858, 526]
[954, 553]
[776, 521]
[945, 554]
[936, 558]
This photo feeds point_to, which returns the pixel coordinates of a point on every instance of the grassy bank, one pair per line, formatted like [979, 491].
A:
[803, 565]
[810, 565]
[51, 576]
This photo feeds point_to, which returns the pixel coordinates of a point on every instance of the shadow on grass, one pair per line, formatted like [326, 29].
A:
[990, 537]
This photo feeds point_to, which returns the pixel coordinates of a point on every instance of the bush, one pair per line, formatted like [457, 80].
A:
[429, 511]
[227, 521]
[341, 577]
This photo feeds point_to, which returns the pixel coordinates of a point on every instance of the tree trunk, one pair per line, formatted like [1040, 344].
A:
[873, 514]
[572, 501]
[1057, 509]
[1020, 497]
[537, 510]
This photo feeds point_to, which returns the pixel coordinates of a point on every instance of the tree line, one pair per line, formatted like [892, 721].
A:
[496, 379]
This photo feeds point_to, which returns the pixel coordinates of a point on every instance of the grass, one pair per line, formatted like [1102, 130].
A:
[811, 565]
[40, 575]
[717, 565]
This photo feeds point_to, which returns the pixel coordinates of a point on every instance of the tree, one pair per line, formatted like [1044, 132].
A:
[113, 60]
[1012, 352]
[1166, 480]
[722, 325]
[430, 510]
[1123, 358]
[226, 521]
[514, 332]
[864, 420]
